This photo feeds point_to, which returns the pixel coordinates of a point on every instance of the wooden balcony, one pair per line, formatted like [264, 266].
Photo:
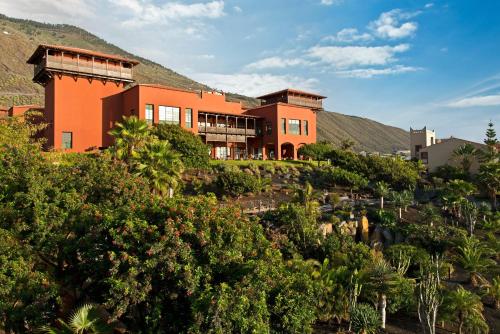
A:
[74, 66]
[305, 102]
[224, 138]
[224, 130]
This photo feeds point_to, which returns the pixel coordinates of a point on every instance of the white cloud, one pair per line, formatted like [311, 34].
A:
[237, 9]
[389, 24]
[343, 57]
[275, 62]
[47, 10]
[147, 12]
[330, 2]
[206, 56]
[429, 5]
[476, 101]
[367, 73]
[349, 35]
[252, 84]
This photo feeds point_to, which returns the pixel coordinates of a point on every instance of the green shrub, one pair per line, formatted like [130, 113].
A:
[269, 168]
[341, 177]
[365, 319]
[194, 153]
[237, 183]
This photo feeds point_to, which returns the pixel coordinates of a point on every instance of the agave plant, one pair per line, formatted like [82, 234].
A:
[84, 320]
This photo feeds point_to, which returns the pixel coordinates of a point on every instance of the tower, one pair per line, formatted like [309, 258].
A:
[81, 94]
[420, 139]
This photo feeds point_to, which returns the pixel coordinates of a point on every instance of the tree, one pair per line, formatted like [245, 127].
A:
[305, 196]
[429, 296]
[193, 152]
[465, 154]
[474, 256]
[382, 189]
[161, 165]
[429, 214]
[490, 154]
[381, 279]
[316, 151]
[489, 178]
[130, 135]
[465, 308]
[347, 144]
[469, 212]
[84, 320]
[399, 199]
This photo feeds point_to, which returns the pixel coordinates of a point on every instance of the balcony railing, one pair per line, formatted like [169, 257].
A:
[301, 101]
[222, 138]
[73, 65]
[223, 130]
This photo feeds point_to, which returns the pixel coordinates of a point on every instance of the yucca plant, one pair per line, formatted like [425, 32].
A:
[84, 320]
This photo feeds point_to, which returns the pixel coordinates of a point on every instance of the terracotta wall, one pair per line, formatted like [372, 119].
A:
[83, 107]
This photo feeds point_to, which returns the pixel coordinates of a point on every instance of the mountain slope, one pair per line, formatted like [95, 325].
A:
[19, 38]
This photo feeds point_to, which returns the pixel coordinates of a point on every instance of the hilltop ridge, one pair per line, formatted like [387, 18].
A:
[19, 38]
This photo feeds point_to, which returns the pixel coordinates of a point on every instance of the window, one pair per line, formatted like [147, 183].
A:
[306, 127]
[294, 126]
[269, 129]
[169, 115]
[283, 126]
[67, 140]
[189, 118]
[149, 114]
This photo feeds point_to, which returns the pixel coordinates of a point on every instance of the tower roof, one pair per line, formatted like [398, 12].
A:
[292, 91]
[42, 47]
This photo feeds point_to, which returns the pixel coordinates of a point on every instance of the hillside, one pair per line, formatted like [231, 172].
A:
[19, 38]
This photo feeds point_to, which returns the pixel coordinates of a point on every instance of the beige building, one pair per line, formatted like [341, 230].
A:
[420, 139]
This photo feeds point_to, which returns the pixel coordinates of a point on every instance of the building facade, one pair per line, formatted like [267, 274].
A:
[420, 139]
[87, 92]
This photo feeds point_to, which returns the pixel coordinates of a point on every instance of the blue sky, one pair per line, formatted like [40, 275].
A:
[404, 63]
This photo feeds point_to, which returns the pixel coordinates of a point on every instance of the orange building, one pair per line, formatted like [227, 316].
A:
[87, 92]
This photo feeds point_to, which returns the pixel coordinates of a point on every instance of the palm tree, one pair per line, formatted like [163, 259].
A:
[347, 144]
[466, 308]
[129, 136]
[382, 189]
[489, 178]
[399, 201]
[381, 279]
[465, 154]
[474, 256]
[305, 196]
[85, 320]
[161, 165]
[429, 214]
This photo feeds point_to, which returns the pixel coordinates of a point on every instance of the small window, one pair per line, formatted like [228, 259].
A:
[189, 118]
[306, 127]
[283, 126]
[294, 126]
[149, 114]
[269, 129]
[169, 115]
[67, 140]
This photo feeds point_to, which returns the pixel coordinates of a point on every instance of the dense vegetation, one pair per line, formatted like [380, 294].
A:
[116, 232]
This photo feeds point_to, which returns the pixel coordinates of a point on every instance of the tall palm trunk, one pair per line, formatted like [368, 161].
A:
[381, 202]
[382, 307]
